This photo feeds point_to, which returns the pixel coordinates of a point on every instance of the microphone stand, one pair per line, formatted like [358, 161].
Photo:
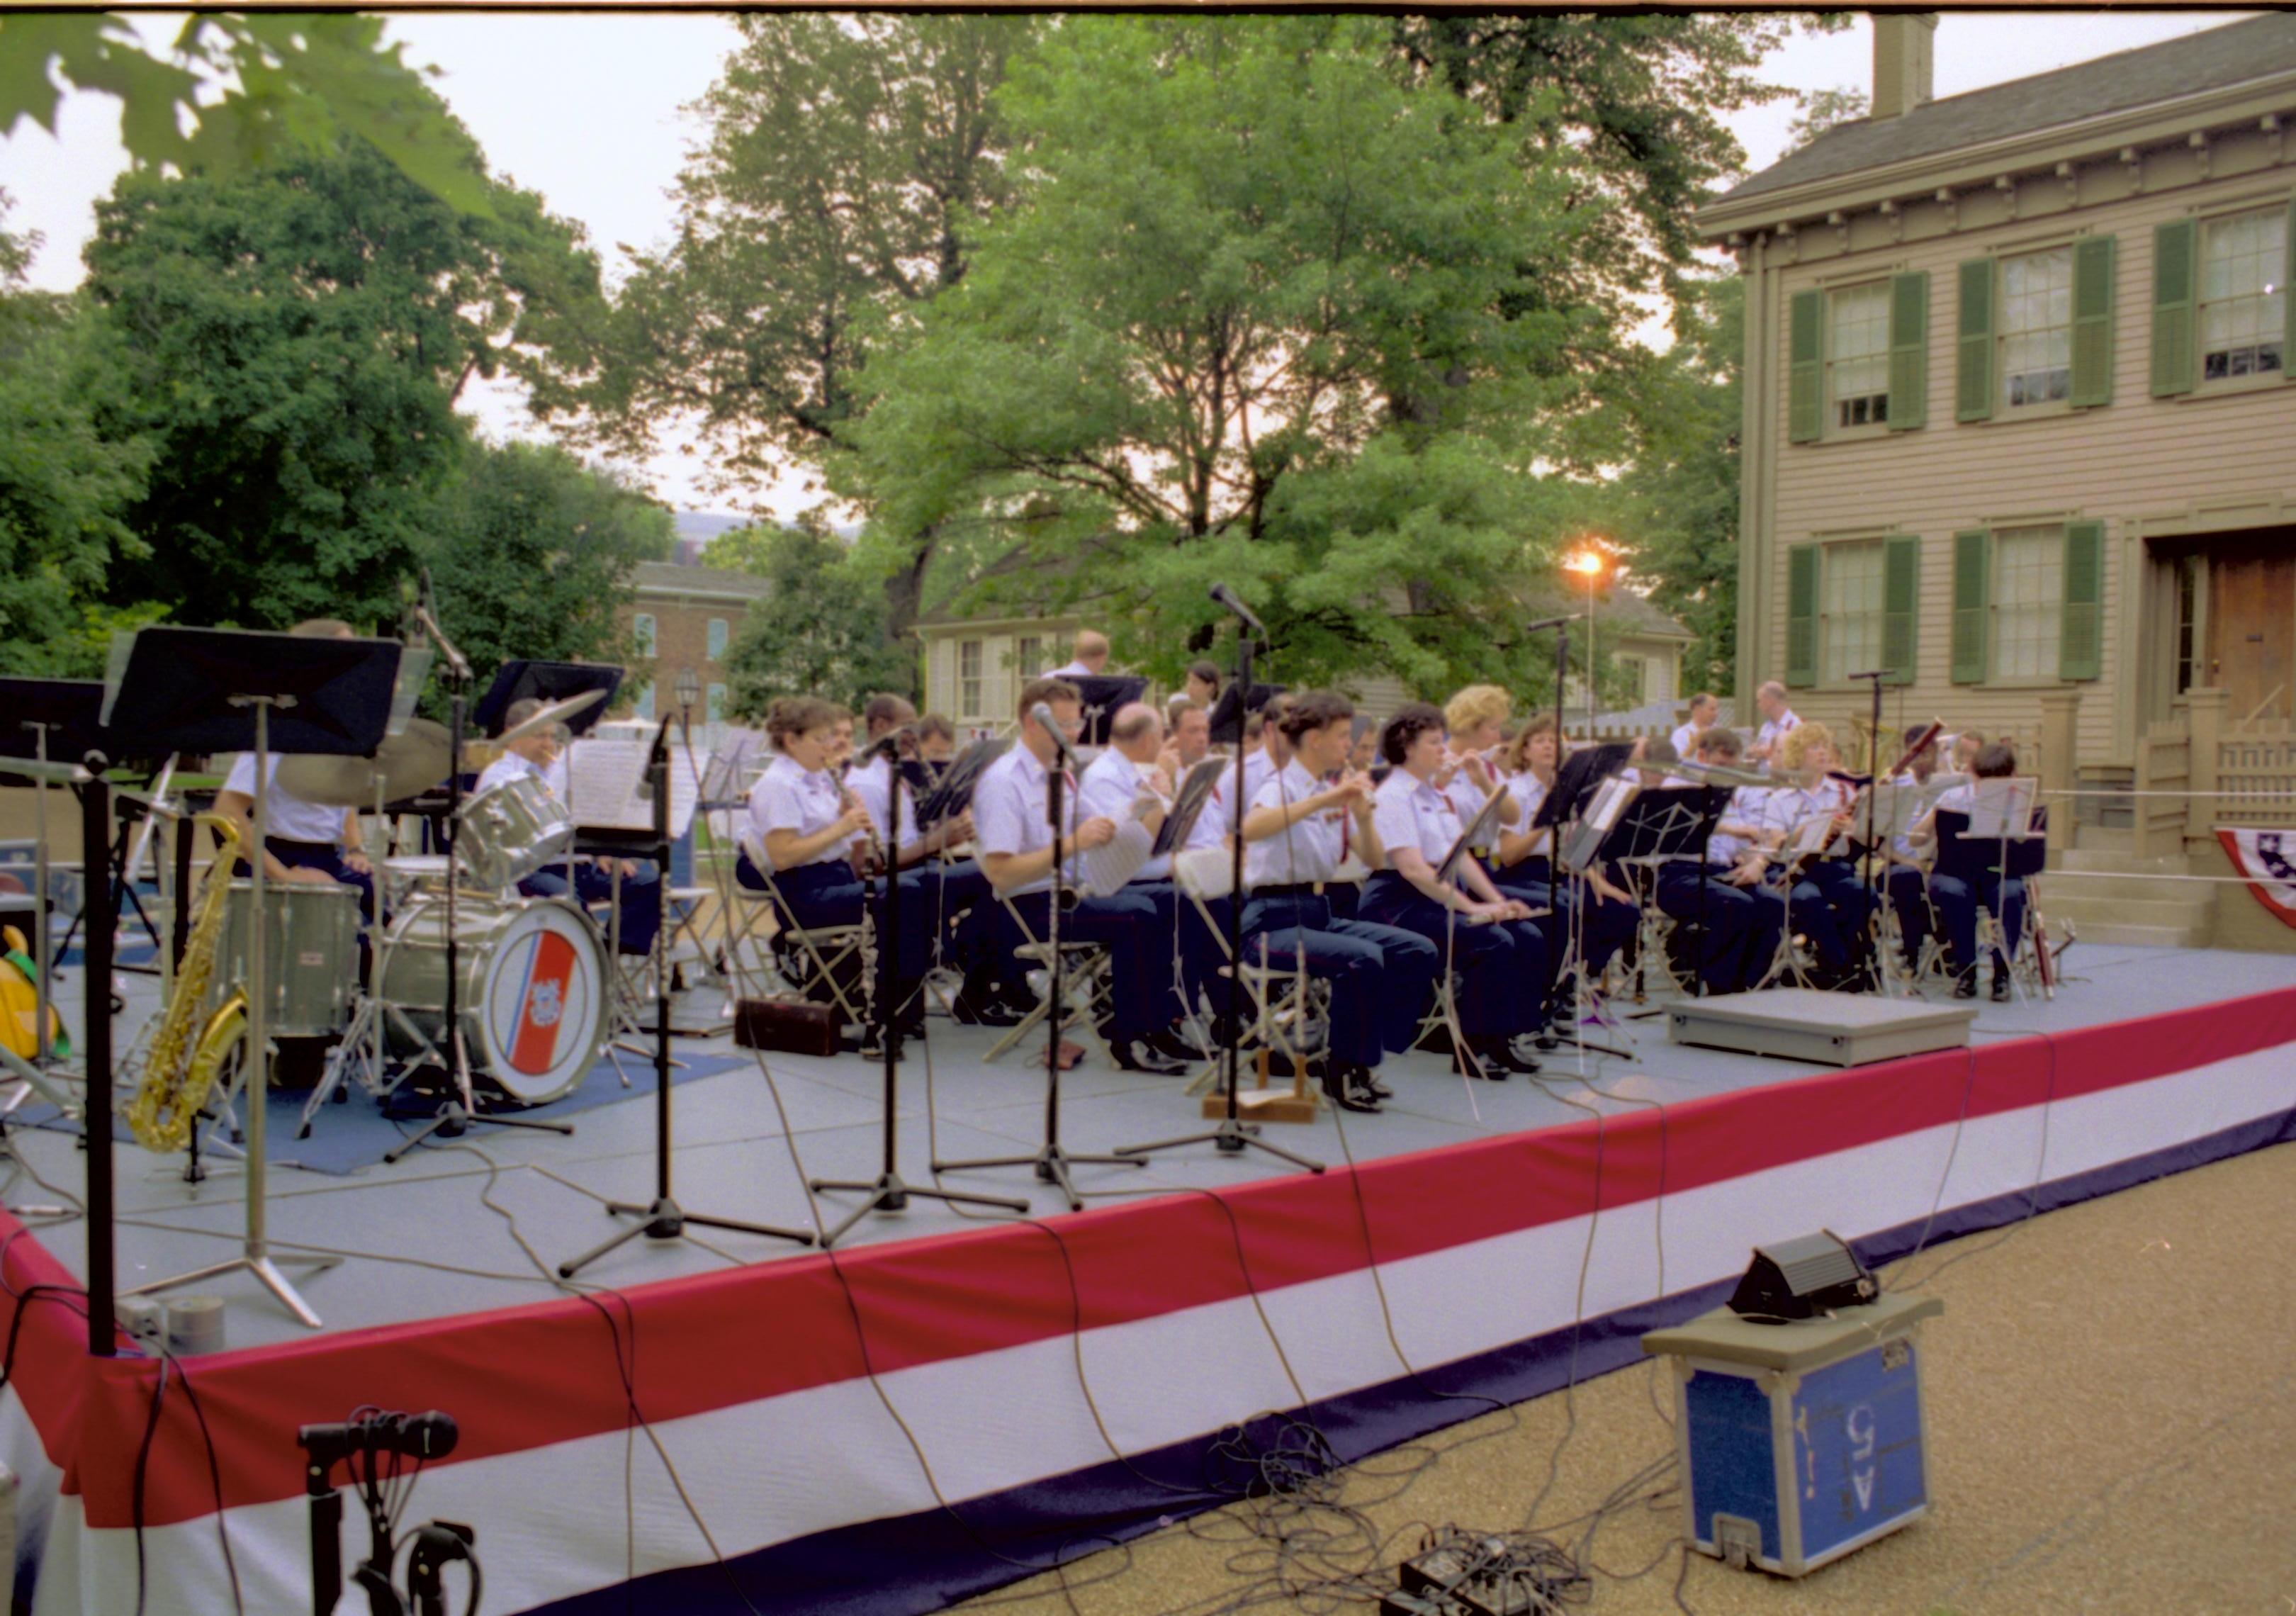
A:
[1233, 1135]
[887, 1192]
[1875, 941]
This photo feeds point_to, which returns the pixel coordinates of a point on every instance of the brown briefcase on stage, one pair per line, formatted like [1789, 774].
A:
[791, 1026]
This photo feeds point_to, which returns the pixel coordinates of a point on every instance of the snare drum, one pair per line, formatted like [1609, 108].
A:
[509, 831]
[530, 992]
[311, 965]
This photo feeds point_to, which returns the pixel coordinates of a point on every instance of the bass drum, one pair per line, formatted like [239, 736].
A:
[531, 995]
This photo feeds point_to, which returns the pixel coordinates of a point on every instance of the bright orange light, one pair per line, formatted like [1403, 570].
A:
[1589, 563]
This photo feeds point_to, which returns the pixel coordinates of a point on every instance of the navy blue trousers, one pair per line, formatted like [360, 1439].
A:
[1737, 928]
[1139, 945]
[1827, 904]
[1502, 970]
[1199, 948]
[830, 894]
[637, 910]
[1380, 975]
[961, 911]
[1956, 903]
[1601, 926]
[1908, 894]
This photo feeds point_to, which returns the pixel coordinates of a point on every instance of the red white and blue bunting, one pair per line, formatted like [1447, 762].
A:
[2267, 859]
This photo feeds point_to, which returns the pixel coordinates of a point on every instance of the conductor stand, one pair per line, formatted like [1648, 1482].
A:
[206, 691]
[1579, 842]
[1232, 1137]
[1050, 1161]
[459, 1109]
[888, 1193]
[664, 1219]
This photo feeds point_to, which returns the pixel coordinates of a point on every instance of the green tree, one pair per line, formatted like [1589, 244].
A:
[1250, 325]
[1680, 497]
[533, 553]
[291, 341]
[63, 484]
[849, 162]
[821, 630]
[1822, 109]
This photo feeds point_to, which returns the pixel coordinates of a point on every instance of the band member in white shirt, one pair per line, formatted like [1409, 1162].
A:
[1476, 718]
[1498, 955]
[808, 827]
[1956, 897]
[936, 739]
[1906, 881]
[1300, 831]
[1726, 920]
[1013, 828]
[638, 905]
[1191, 736]
[1703, 710]
[1088, 659]
[303, 841]
[1523, 863]
[1825, 902]
[1778, 722]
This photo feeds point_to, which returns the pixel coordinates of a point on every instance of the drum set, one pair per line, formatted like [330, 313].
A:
[526, 981]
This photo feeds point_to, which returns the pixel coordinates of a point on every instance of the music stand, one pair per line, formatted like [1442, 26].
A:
[1233, 1135]
[1101, 695]
[1188, 804]
[217, 690]
[664, 1219]
[953, 794]
[1475, 834]
[519, 681]
[54, 718]
[1234, 704]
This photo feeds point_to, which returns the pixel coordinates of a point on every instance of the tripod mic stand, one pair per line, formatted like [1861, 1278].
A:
[1232, 1137]
[665, 1220]
[1050, 1161]
[887, 1192]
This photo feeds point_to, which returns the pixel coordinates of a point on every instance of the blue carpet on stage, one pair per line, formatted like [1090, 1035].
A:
[354, 1134]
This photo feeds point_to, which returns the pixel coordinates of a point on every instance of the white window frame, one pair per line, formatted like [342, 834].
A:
[720, 632]
[2266, 313]
[645, 632]
[2033, 622]
[714, 709]
[1850, 633]
[970, 682]
[2033, 330]
[1870, 402]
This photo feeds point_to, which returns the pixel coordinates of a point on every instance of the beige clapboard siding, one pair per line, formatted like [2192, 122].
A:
[2136, 457]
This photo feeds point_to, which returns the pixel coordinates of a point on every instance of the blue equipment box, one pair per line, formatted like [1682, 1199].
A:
[1798, 1441]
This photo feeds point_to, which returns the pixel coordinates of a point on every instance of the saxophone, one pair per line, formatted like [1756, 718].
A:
[180, 1071]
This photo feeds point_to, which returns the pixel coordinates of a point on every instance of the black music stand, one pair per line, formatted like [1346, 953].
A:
[1233, 1135]
[1101, 695]
[54, 718]
[1576, 778]
[664, 1219]
[1237, 702]
[887, 1192]
[1188, 804]
[1661, 824]
[217, 690]
[952, 794]
[519, 681]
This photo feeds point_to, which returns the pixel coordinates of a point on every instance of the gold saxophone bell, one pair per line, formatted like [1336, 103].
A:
[180, 1071]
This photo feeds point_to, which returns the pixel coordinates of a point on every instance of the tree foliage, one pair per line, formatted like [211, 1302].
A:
[532, 555]
[821, 630]
[1681, 495]
[1253, 323]
[1822, 109]
[63, 484]
[291, 341]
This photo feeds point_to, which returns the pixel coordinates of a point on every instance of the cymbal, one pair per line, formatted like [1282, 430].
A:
[555, 712]
[407, 763]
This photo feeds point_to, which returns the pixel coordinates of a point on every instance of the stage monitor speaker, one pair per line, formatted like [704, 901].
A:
[1802, 1278]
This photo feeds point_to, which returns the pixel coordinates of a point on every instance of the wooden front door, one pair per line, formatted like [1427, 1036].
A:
[2251, 634]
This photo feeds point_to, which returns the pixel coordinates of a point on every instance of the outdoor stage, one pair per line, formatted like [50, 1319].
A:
[941, 1404]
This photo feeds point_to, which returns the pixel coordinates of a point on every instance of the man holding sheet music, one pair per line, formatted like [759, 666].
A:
[1992, 792]
[638, 905]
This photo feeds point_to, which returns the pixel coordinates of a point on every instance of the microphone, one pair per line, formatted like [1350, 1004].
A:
[1042, 713]
[455, 661]
[1549, 622]
[1229, 598]
[417, 1436]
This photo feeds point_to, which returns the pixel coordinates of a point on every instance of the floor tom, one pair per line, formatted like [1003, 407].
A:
[310, 971]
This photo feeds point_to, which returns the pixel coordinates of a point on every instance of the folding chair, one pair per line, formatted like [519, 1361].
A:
[828, 964]
[1084, 984]
[1290, 1009]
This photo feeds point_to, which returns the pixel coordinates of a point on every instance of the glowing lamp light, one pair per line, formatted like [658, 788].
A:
[1587, 564]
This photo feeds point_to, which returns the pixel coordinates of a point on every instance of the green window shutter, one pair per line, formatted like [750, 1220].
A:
[2092, 290]
[1972, 394]
[2175, 271]
[2287, 303]
[1973, 576]
[1806, 370]
[1909, 350]
[2080, 636]
[1802, 614]
[1901, 589]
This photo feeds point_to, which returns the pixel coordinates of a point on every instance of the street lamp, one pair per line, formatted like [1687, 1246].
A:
[1591, 564]
[687, 690]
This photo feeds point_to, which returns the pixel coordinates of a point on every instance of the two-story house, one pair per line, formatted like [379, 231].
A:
[2018, 410]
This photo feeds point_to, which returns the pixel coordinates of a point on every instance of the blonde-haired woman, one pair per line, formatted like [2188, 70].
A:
[1824, 901]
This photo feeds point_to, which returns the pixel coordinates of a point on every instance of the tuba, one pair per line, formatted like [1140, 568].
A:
[180, 1071]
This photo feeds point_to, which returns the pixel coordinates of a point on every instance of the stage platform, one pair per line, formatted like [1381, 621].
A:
[945, 1403]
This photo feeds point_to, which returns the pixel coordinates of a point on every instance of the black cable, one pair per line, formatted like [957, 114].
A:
[142, 1467]
[215, 1475]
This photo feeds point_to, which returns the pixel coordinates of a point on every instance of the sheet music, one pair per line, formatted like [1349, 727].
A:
[1107, 869]
[722, 777]
[2002, 807]
[606, 786]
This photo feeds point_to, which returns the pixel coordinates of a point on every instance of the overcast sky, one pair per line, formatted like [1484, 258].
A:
[587, 109]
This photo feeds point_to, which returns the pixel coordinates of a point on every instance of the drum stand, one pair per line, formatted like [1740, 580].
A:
[363, 1038]
[459, 1109]
[664, 1219]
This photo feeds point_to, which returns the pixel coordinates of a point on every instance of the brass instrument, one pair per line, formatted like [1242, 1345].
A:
[179, 1071]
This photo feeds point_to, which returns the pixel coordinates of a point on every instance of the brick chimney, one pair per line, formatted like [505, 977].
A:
[1904, 61]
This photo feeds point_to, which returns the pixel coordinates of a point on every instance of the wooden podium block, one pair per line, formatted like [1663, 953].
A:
[1301, 1103]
